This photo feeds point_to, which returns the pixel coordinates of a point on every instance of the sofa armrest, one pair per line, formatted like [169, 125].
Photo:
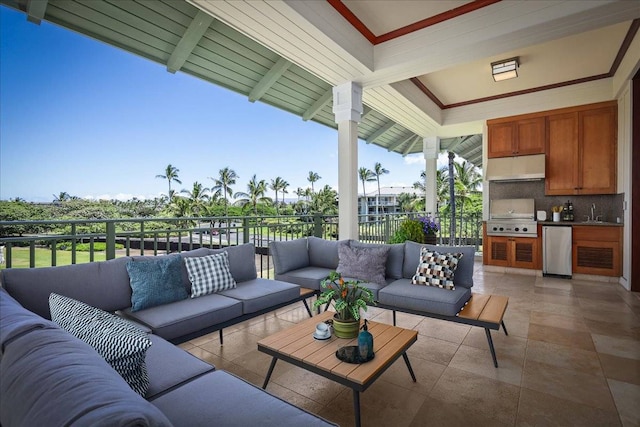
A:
[289, 255]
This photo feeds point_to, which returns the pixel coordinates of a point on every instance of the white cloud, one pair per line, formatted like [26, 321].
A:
[414, 159]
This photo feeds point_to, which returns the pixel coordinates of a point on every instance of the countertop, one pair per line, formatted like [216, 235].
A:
[590, 224]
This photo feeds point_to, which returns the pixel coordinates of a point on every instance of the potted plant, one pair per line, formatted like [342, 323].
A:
[429, 228]
[420, 230]
[348, 298]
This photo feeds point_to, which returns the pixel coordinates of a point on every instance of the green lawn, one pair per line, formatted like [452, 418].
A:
[20, 257]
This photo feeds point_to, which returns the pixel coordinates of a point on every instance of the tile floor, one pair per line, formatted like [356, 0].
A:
[572, 358]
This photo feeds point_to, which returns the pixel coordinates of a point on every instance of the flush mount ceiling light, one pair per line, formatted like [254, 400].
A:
[505, 69]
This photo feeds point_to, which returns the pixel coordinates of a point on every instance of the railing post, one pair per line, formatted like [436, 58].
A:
[111, 240]
[387, 228]
[245, 230]
[317, 225]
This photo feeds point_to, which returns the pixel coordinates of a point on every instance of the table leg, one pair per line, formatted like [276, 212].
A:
[356, 406]
[273, 365]
[493, 351]
[504, 328]
[406, 360]
[307, 307]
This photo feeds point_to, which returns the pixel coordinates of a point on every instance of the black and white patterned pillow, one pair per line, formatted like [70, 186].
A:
[436, 269]
[209, 274]
[122, 344]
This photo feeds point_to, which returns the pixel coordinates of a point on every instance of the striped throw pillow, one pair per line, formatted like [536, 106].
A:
[436, 269]
[209, 274]
[122, 344]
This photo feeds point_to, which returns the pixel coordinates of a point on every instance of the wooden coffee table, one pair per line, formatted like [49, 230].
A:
[297, 346]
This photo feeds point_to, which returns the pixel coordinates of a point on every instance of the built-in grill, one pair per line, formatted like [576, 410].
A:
[512, 218]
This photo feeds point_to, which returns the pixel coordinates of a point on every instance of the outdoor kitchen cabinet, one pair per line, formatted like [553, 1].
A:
[519, 252]
[581, 150]
[516, 137]
[597, 250]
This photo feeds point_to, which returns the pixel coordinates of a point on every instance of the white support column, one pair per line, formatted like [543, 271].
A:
[430, 149]
[347, 107]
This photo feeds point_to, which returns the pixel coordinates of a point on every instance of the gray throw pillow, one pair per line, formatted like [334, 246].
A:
[209, 274]
[367, 264]
[122, 344]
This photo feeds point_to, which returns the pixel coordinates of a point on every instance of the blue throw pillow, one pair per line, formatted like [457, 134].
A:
[156, 282]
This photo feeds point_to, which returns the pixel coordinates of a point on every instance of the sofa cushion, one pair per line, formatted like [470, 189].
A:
[307, 277]
[436, 269]
[403, 294]
[180, 318]
[289, 255]
[242, 262]
[103, 284]
[209, 274]
[15, 320]
[464, 272]
[220, 398]
[394, 259]
[324, 253]
[188, 254]
[367, 264]
[259, 294]
[170, 366]
[121, 343]
[50, 378]
[156, 281]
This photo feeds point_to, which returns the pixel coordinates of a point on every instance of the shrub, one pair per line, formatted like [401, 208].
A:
[409, 229]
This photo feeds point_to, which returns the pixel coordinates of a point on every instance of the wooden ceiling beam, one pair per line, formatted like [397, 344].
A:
[36, 10]
[269, 79]
[400, 142]
[381, 131]
[410, 146]
[189, 41]
[318, 105]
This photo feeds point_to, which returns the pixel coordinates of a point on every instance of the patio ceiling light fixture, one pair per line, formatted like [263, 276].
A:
[505, 69]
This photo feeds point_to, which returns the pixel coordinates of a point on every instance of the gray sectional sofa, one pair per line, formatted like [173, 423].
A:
[307, 261]
[50, 377]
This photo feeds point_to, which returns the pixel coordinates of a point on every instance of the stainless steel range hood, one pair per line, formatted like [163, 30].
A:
[519, 168]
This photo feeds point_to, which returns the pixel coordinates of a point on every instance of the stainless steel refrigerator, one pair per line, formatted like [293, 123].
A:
[556, 250]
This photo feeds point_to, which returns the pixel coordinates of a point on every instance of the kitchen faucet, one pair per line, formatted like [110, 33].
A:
[593, 209]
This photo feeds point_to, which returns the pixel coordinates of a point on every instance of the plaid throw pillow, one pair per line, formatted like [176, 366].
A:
[122, 344]
[436, 269]
[209, 274]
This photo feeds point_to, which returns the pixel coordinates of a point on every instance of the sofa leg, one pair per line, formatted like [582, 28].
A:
[221, 338]
[307, 307]
[394, 318]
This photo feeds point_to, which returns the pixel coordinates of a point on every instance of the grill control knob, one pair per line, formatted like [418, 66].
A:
[525, 229]
[495, 228]
[501, 229]
[517, 229]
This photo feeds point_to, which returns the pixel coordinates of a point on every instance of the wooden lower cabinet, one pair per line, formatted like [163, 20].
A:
[519, 252]
[597, 250]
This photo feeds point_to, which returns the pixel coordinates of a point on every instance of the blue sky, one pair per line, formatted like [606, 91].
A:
[80, 116]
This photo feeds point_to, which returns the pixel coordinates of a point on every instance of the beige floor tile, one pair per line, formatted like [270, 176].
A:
[590, 390]
[479, 361]
[559, 321]
[433, 350]
[551, 292]
[294, 398]
[427, 373]
[477, 395]
[626, 397]
[541, 410]
[560, 309]
[620, 368]
[564, 357]
[561, 336]
[308, 384]
[617, 346]
[438, 413]
[604, 306]
[443, 330]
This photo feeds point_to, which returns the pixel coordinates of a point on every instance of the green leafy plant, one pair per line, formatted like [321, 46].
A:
[409, 229]
[348, 296]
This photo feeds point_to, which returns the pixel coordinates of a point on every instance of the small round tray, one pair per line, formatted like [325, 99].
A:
[350, 354]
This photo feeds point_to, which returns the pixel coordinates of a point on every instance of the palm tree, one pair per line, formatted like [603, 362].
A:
[467, 181]
[325, 201]
[256, 194]
[313, 177]
[197, 197]
[378, 170]
[226, 178]
[277, 185]
[61, 197]
[170, 174]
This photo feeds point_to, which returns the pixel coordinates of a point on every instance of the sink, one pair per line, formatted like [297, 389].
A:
[593, 221]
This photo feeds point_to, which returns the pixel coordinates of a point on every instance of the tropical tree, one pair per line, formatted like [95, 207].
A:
[467, 182]
[63, 196]
[255, 194]
[325, 201]
[226, 178]
[197, 197]
[312, 178]
[378, 171]
[171, 175]
[408, 202]
[277, 185]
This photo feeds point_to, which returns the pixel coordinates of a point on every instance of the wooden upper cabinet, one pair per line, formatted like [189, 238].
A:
[581, 151]
[516, 138]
